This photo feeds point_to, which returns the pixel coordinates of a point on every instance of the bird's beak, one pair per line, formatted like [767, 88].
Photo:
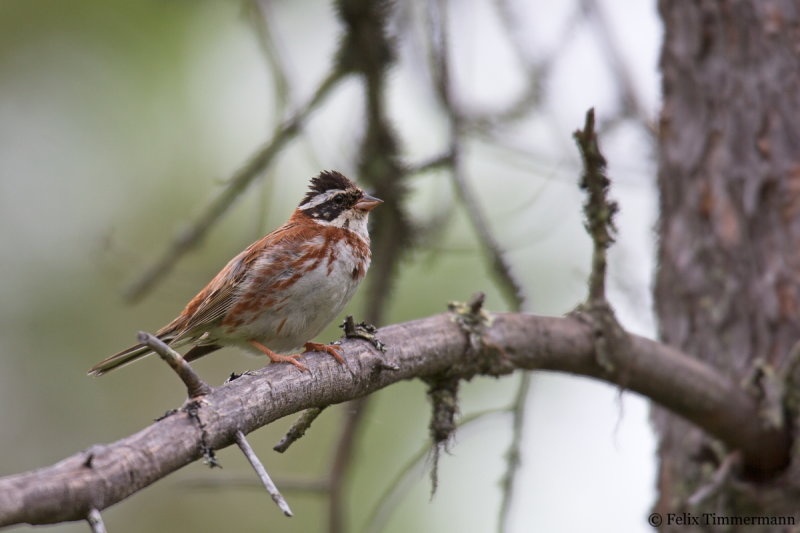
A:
[367, 202]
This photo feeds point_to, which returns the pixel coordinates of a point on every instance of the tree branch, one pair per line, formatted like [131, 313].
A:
[106, 474]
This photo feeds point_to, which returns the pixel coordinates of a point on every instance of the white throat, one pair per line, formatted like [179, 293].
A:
[353, 220]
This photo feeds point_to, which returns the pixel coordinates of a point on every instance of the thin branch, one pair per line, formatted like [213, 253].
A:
[298, 429]
[598, 208]
[190, 236]
[342, 460]
[508, 283]
[106, 474]
[444, 160]
[514, 452]
[399, 486]
[440, 69]
[195, 386]
[263, 476]
[262, 17]
[720, 476]
[95, 520]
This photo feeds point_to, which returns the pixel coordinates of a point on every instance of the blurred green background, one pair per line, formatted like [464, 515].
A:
[120, 120]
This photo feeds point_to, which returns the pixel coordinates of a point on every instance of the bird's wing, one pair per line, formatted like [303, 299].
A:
[216, 299]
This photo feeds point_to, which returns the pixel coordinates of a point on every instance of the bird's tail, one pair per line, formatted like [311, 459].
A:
[124, 357]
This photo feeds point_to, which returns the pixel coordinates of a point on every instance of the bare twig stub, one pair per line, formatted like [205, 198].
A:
[599, 210]
[263, 476]
[343, 455]
[514, 452]
[195, 386]
[96, 521]
[298, 429]
[422, 348]
[717, 480]
[362, 330]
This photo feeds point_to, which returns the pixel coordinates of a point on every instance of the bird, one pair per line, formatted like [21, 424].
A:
[282, 290]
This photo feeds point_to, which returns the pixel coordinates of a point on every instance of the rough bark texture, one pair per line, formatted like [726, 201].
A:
[438, 346]
[729, 257]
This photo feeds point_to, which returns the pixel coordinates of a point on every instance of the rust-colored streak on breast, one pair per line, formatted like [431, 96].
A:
[331, 257]
[361, 248]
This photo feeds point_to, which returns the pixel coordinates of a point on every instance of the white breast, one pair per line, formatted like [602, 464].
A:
[308, 305]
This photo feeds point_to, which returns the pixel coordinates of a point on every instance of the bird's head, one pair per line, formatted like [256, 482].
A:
[334, 200]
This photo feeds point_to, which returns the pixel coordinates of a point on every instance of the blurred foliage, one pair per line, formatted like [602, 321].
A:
[118, 119]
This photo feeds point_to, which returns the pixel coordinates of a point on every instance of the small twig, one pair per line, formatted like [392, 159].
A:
[188, 238]
[343, 458]
[509, 286]
[241, 441]
[267, 40]
[719, 477]
[362, 330]
[298, 429]
[444, 160]
[472, 319]
[95, 520]
[599, 210]
[476, 303]
[396, 490]
[514, 453]
[195, 386]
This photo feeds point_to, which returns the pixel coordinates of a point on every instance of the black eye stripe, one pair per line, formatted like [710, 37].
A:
[335, 205]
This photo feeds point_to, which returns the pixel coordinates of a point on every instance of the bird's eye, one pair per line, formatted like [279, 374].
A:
[338, 200]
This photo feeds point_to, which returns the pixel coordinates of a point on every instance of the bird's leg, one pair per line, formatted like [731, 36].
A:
[278, 358]
[330, 349]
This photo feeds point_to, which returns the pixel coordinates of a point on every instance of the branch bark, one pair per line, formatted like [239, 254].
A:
[435, 346]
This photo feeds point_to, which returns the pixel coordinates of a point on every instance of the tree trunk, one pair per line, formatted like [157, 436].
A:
[729, 253]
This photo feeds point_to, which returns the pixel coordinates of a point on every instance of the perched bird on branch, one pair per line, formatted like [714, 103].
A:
[280, 292]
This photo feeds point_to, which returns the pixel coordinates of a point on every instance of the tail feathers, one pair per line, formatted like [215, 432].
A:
[124, 357]
[199, 351]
